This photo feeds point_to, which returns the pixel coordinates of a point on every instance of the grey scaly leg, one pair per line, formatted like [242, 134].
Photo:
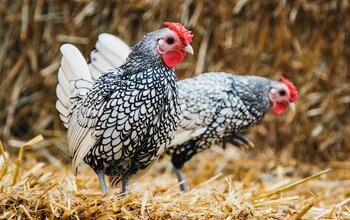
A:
[180, 178]
[125, 186]
[101, 178]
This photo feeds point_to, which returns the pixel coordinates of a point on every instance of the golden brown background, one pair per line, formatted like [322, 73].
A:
[306, 41]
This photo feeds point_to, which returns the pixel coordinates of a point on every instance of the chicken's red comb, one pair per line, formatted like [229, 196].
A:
[292, 89]
[184, 34]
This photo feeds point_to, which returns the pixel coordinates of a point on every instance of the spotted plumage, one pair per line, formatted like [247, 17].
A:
[217, 107]
[121, 123]
[214, 106]
[137, 122]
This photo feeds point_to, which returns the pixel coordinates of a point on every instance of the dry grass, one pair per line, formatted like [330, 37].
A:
[242, 188]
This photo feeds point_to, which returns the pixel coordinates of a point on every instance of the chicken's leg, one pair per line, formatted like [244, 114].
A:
[125, 186]
[101, 178]
[182, 181]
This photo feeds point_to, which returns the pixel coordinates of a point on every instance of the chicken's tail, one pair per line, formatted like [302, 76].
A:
[110, 52]
[74, 81]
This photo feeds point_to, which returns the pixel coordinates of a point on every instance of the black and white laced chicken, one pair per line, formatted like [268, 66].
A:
[120, 122]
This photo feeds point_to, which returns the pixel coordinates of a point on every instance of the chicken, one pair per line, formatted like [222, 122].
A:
[120, 124]
[215, 107]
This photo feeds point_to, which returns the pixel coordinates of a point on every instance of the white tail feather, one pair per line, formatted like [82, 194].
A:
[73, 79]
[111, 52]
[62, 109]
[83, 148]
[64, 120]
[113, 48]
[103, 64]
[95, 74]
[62, 96]
[76, 63]
[62, 80]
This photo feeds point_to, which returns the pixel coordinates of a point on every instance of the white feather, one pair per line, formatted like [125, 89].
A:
[83, 148]
[113, 48]
[95, 74]
[74, 63]
[62, 109]
[76, 133]
[100, 62]
[62, 96]
[62, 80]
[73, 69]
[111, 52]
[64, 120]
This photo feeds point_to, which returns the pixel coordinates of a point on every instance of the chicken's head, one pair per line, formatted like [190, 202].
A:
[282, 95]
[173, 43]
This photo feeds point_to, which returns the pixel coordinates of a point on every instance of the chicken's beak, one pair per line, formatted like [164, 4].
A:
[292, 106]
[188, 48]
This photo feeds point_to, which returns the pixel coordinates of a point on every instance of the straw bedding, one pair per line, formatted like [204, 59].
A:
[231, 186]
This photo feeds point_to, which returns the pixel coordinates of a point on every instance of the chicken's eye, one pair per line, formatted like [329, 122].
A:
[170, 40]
[282, 92]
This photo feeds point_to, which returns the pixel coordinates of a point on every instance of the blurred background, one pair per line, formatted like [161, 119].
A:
[305, 41]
